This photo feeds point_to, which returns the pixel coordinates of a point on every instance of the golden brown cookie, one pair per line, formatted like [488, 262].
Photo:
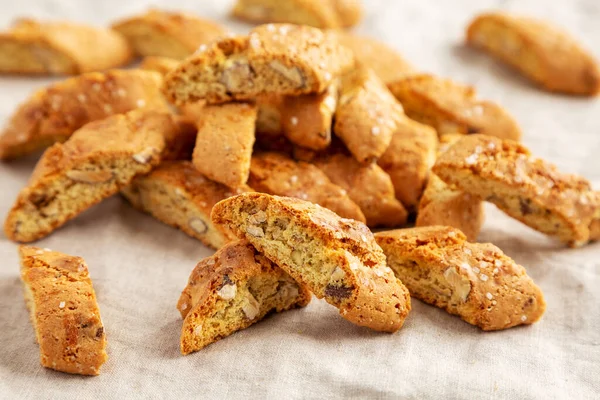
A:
[178, 195]
[231, 290]
[367, 115]
[168, 34]
[58, 48]
[452, 108]
[224, 142]
[445, 205]
[528, 189]
[367, 185]
[336, 258]
[268, 119]
[273, 59]
[475, 281]
[52, 114]
[277, 174]
[408, 160]
[64, 311]
[162, 65]
[541, 51]
[96, 162]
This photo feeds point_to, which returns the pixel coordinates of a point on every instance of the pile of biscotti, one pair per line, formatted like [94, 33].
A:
[280, 149]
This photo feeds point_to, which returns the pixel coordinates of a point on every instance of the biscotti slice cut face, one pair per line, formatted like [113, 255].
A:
[542, 52]
[450, 107]
[59, 48]
[278, 174]
[366, 115]
[168, 34]
[177, 194]
[52, 114]
[273, 59]
[336, 258]
[64, 312]
[528, 189]
[95, 163]
[231, 290]
[224, 142]
[475, 281]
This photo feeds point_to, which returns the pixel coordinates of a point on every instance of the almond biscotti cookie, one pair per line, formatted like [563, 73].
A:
[273, 59]
[177, 194]
[336, 258]
[168, 34]
[224, 142]
[542, 52]
[452, 108]
[52, 114]
[95, 163]
[231, 290]
[367, 115]
[63, 310]
[445, 205]
[162, 65]
[528, 189]
[277, 174]
[408, 160]
[367, 185]
[59, 48]
[475, 281]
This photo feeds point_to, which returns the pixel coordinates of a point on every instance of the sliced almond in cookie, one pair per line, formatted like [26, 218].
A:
[168, 34]
[231, 290]
[450, 107]
[60, 48]
[528, 189]
[63, 310]
[95, 163]
[278, 174]
[336, 258]
[52, 114]
[273, 59]
[177, 194]
[475, 281]
[541, 51]
[366, 115]
[224, 142]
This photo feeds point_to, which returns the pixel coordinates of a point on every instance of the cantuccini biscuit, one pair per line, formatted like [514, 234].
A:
[168, 34]
[162, 65]
[177, 194]
[63, 310]
[542, 52]
[336, 258]
[277, 174]
[408, 160]
[231, 290]
[95, 163]
[528, 189]
[367, 115]
[452, 108]
[59, 48]
[52, 114]
[273, 59]
[475, 281]
[224, 142]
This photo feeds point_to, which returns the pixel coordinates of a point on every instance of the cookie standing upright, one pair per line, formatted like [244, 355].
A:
[64, 312]
[168, 34]
[273, 59]
[528, 189]
[336, 258]
[59, 48]
[231, 290]
[52, 114]
[544, 53]
[476, 281]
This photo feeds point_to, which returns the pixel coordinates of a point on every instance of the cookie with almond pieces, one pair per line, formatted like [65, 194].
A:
[336, 258]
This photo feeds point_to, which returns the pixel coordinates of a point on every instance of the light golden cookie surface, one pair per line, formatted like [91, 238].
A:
[162, 65]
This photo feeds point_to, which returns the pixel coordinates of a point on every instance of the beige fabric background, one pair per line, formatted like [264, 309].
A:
[139, 266]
